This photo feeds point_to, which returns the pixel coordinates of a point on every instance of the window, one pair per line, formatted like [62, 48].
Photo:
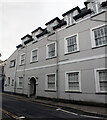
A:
[51, 82]
[20, 84]
[51, 50]
[71, 44]
[101, 80]
[73, 81]
[22, 59]
[8, 82]
[96, 6]
[100, 36]
[12, 82]
[34, 56]
[12, 63]
[70, 19]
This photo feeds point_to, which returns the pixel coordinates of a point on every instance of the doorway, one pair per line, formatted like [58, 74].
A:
[32, 87]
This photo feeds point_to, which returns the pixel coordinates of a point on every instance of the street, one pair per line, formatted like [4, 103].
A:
[20, 108]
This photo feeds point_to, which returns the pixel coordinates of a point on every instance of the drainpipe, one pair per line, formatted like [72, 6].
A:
[57, 66]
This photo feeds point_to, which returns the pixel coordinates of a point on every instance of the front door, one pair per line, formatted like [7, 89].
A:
[32, 87]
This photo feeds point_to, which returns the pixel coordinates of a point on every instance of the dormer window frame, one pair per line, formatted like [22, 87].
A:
[70, 20]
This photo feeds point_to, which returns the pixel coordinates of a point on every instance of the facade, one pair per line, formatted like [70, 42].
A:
[2, 74]
[66, 60]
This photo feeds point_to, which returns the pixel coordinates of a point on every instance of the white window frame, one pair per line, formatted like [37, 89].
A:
[66, 81]
[24, 59]
[46, 81]
[72, 21]
[47, 55]
[32, 55]
[92, 36]
[18, 82]
[12, 63]
[65, 44]
[97, 83]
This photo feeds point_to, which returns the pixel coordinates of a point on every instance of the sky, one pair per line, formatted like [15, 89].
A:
[21, 17]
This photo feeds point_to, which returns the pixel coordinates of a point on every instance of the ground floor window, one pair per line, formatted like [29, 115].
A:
[101, 79]
[20, 82]
[51, 81]
[73, 81]
[8, 81]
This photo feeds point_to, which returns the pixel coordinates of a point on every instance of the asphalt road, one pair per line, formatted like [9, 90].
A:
[35, 111]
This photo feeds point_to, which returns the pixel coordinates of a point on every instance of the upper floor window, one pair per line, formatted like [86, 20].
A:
[100, 36]
[71, 44]
[22, 59]
[73, 81]
[51, 50]
[70, 19]
[34, 55]
[12, 63]
[101, 80]
[96, 6]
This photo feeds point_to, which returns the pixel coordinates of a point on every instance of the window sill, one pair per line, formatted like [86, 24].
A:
[34, 42]
[69, 91]
[21, 64]
[101, 92]
[50, 57]
[71, 25]
[11, 66]
[20, 88]
[50, 90]
[97, 14]
[94, 47]
[33, 62]
[71, 52]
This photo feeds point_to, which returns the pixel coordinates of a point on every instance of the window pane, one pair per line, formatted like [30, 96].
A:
[73, 81]
[100, 35]
[71, 44]
[51, 50]
[103, 80]
[51, 81]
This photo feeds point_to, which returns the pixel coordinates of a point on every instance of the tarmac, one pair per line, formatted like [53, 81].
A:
[85, 108]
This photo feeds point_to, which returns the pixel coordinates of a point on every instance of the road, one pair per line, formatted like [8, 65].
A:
[21, 108]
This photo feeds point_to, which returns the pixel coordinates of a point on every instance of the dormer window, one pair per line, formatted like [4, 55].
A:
[70, 19]
[52, 23]
[94, 5]
[68, 16]
[36, 32]
[26, 39]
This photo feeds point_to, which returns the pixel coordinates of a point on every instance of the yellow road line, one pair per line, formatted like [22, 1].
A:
[9, 114]
[35, 102]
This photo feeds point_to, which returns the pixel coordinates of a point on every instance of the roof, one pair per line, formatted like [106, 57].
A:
[104, 4]
[39, 28]
[53, 20]
[43, 33]
[28, 41]
[83, 13]
[76, 8]
[20, 45]
[62, 23]
[26, 36]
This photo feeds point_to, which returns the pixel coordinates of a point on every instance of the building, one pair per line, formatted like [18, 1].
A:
[66, 60]
[2, 74]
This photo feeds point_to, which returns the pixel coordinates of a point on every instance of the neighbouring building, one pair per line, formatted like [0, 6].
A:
[66, 60]
[2, 74]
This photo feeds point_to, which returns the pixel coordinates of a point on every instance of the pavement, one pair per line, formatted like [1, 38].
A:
[102, 111]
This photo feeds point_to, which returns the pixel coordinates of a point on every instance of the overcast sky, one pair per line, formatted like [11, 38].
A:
[21, 17]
